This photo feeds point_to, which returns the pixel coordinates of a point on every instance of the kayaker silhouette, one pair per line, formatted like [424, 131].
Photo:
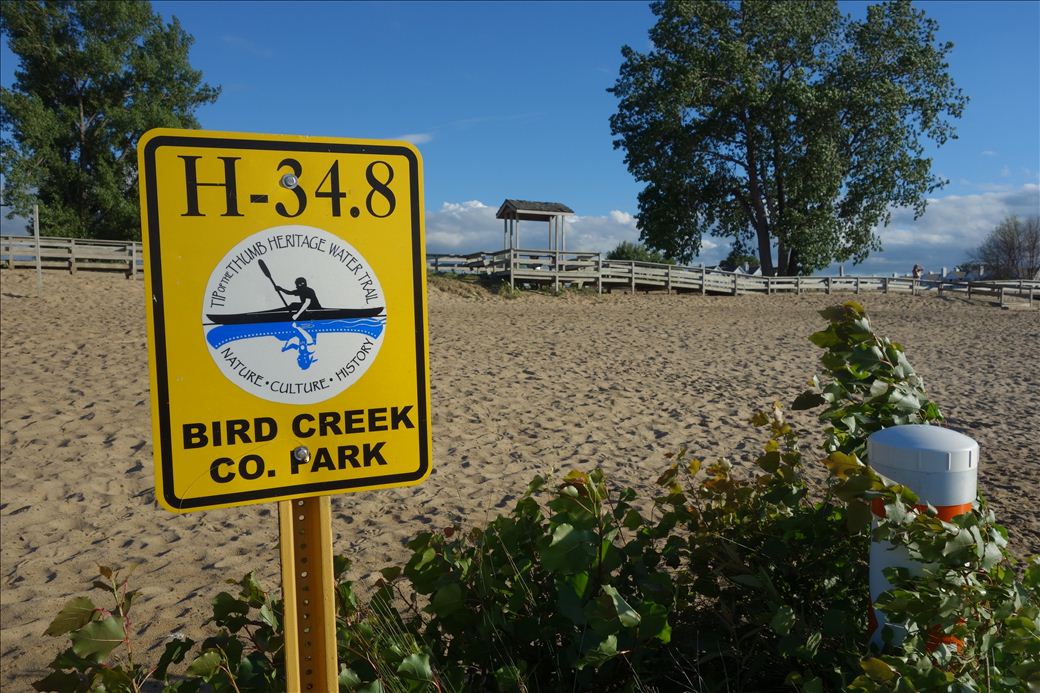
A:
[308, 298]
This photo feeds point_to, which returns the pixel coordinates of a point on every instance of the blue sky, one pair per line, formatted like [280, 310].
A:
[509, 100]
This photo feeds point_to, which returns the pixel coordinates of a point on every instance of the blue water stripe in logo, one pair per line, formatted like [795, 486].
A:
[285, 331]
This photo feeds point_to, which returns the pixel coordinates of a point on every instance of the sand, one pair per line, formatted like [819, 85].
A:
[519, 387]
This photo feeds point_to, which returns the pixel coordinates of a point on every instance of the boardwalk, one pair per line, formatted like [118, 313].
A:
[553, 269]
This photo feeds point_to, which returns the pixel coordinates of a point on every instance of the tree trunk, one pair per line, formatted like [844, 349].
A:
[765, 253]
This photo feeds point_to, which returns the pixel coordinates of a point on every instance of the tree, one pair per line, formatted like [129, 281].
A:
[739, 258]
[1012, 249]
[92, 77]
[783, 125]
[627, 250]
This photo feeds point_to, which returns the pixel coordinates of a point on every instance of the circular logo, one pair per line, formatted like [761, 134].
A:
[293, 314]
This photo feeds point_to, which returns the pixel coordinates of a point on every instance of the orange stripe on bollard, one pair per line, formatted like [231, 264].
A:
[945, 512]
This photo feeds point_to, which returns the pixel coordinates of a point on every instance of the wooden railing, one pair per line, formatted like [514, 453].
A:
[72, 254]
[550, 268]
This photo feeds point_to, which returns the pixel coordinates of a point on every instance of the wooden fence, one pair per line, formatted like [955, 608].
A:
[551, 268]
[72, 254]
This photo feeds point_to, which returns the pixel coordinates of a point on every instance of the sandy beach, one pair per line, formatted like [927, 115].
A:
[519, 387]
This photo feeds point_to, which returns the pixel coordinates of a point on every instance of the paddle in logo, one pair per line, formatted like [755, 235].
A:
[293, 314]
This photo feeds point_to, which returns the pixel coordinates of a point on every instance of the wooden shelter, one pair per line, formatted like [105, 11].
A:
[512, 212]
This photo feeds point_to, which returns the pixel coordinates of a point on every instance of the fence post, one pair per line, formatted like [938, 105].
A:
[72, 256]
[704, 279]
[734, 284]
[633, 268]
[556, 272]
[599, 273]
[857, 285]
[828, 286]
[798, 285]
[769, 286]
[939, 465]
[668, 283]
[1002, 297]
[884, 285]
[133, 261]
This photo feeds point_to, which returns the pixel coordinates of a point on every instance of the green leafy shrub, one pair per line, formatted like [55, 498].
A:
[627, 250]
[724, 581]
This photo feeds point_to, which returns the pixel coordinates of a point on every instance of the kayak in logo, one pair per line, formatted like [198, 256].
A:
[294, 315]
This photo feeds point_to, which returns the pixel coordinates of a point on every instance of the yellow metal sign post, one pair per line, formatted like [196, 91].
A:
[287, 331]
[305, 534]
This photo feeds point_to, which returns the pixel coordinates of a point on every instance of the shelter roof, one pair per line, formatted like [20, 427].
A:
[530, 210]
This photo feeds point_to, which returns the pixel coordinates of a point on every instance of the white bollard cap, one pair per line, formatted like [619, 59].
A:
[940, 465]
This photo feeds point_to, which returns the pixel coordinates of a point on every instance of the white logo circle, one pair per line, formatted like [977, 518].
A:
[293, 314]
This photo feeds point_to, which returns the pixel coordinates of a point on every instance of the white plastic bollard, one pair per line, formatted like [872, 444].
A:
[941, 466]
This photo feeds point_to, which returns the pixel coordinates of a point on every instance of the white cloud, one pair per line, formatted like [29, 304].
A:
[987, 152]
[949, 231]
[415, 138]
[466, 227]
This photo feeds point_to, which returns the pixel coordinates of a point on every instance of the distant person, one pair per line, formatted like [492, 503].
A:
[308, 299]
[918, 271]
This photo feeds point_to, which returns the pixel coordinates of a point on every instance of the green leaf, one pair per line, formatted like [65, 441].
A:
[601, 651]
[416, 667]
[570, 604]
[173, 653]
[825, 338]
[75, 614]
[98, 638]
[206, 664]
[447, 600]
[653, 622]
[783, 619]
[857, 516]
[268, 615]
[225, 605]
[340, 565]
[348, 678]
[878, 670]
[628, 616]
[841, 465]
[748, 581]
[570, 551]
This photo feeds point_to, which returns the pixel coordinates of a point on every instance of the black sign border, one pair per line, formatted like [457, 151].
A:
[159, 319]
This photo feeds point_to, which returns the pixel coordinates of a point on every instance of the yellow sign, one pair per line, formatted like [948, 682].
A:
[286, 282]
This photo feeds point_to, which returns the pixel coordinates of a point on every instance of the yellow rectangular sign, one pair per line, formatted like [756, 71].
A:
[287, 330]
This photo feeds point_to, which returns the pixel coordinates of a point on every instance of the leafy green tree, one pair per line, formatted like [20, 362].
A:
[627, 250]
[92, 77]
[783, 125]
[738, 257]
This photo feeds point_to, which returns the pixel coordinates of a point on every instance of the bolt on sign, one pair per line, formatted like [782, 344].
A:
[286, 284]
